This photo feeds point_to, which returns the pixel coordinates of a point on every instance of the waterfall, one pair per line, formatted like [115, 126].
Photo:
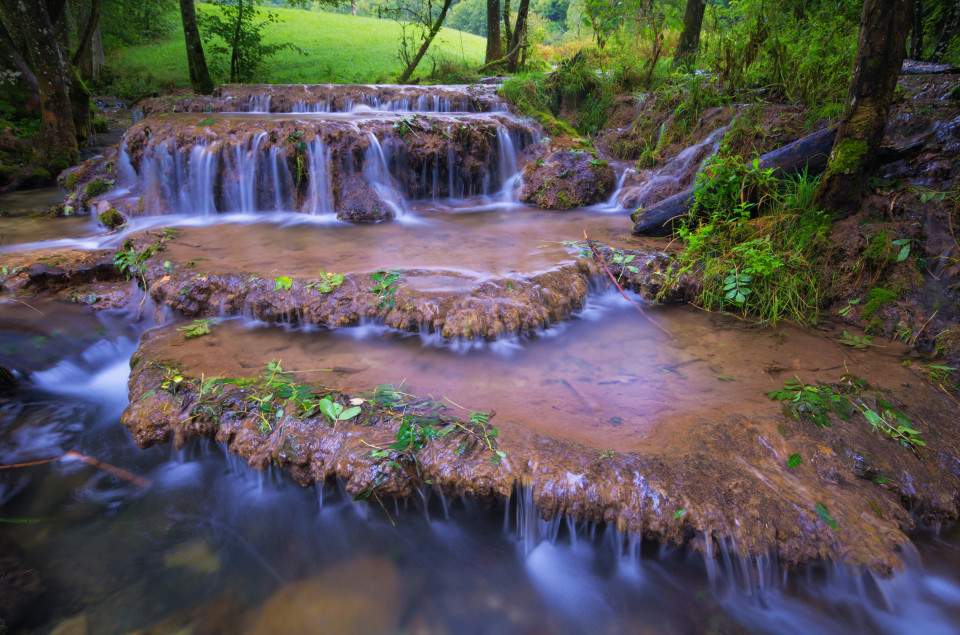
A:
[246, 162]
[319, 191]
[378, 176]
[280, 180]
[509, 172]
[201, 170]
[127, 175]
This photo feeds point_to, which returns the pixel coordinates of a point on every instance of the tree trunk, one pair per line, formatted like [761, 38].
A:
[519, 33]
[507, 30]
[686, 53]
[494, 48]
[405, 76]
[881, 45]
[916, 36]
[57, 141]
[91, 62]
[197, 63]
[9, 48]
[234, 69]
[353, 7]
[946, 33]
[87, 36]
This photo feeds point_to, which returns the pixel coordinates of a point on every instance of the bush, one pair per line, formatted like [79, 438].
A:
[754, 239]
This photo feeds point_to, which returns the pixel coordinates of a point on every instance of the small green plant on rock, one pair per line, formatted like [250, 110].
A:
[385, 286]
[283, 283]
[327, 282]
[197, 328]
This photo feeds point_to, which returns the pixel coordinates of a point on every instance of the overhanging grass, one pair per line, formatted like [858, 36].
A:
[340, 49]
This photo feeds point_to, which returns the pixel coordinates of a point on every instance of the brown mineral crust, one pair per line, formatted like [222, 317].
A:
[724, 477]
[567, 179]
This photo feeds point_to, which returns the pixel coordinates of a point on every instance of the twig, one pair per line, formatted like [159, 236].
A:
[130, 477]
[603, 263]
[31, 307]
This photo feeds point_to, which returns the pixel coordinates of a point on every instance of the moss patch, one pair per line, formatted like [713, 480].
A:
[96, 187]
[111, 219]
[876, 298]
[846, 157]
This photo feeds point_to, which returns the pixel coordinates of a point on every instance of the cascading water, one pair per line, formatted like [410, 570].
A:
[378, 176]
[319, 191]
[201, 173]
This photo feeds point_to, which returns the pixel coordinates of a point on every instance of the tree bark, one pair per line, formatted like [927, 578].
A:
[405, 76]
[236, 44]
[199, 75]
[916, 35]
[946, 33]
[494, 48]
[92, 23]
[9, 47]
[689, 43]
[516, 37]
[881, 46]
[507, 29]
[57, 143]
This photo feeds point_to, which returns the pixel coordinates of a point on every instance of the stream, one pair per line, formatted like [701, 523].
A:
[201, 543]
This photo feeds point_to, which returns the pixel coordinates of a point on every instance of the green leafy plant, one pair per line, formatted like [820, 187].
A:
[385, 286]
[197, 328]
[130, 262]
[859, 342]
[824, 515]
[794, 460]
[283, 283]
[327, 282]
[336, 412]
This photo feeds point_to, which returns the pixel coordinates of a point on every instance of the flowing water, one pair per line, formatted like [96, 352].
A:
[203, 542]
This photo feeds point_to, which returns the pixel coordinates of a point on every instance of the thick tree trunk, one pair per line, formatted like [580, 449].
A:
[9, 48]
[809, 154]
[881, 45]
[57, 141]
[197, 63]
[916, 35]
[353, 7]
[686, 53]
[515, 42]
[947, 32]
[494, 49]
[405, 76]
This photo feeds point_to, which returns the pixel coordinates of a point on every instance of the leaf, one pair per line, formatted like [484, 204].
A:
[680, 513]
[904, 253]
[329, 408]
[349, 413]
[364, 495]
[794, 461]
[824, 514]
[726, 377]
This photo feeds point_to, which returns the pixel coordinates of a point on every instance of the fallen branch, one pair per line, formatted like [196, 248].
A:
[603, 263]
[130, 477]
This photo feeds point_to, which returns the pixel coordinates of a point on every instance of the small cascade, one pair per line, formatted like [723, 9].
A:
[247, 160]
[319, 189]
[378, 176]
[509, 172]
[259, 103]
[281, 183]
[201, 171]
[127, 175]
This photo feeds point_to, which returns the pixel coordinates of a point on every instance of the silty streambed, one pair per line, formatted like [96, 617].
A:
[213, 546]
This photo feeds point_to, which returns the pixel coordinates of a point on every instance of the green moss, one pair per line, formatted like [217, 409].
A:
[880, 250]
[96, 187]
[69, 181]
[846, 157]
[876, 298]
[100, 126]
[111, 219]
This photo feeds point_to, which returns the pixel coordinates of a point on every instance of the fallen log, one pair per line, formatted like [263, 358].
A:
[810, 153]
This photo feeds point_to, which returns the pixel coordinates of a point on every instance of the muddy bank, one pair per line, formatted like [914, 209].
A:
[677, 479]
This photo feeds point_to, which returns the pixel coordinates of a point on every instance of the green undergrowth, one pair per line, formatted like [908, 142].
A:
[274, 397]
[822, 402]
[755, 239]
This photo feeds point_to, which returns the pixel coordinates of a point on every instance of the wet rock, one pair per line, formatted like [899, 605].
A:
[567, 179]
[360, 596]
[706, 480]
[76, 625]
[42, 275]
[20, 585]
[195, 556]
[358, 202]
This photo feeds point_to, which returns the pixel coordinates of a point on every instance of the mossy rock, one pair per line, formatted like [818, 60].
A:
[111, 219]
[97, 186]
[877, 298]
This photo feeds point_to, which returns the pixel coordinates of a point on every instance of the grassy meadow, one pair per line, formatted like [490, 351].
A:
[340, 49]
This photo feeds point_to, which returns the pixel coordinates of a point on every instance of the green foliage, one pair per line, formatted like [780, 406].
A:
[819, 404]
[327, 282]
[824, 515]
[794, 460]
[798, 51]
[877, 297]
[98, 186]
[754, 238]
[385, 286]
[239, 50]
[283, 283]
[336, 412]
[111, 218]
[131, 262]
[197, 328]
[859, 342]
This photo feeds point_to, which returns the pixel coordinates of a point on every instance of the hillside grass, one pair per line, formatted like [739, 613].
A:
[339, 49]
